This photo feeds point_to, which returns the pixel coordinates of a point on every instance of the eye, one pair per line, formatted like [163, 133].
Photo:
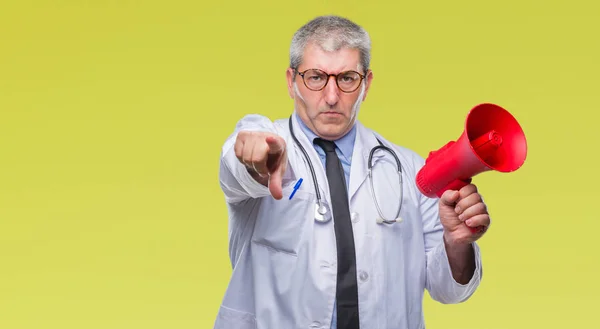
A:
[348, 78]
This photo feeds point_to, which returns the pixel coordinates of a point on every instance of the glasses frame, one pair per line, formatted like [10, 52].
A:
[362, 77]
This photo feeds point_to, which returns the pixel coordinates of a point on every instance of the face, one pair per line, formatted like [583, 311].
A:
[330, 113]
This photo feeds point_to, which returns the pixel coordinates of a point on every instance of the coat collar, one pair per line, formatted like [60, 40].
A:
[314, 158]
[359, 170]
[365, 141]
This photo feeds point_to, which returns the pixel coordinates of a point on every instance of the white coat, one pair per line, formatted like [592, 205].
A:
[284, 262]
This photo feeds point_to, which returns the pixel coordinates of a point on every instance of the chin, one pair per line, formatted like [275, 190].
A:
[331, 131]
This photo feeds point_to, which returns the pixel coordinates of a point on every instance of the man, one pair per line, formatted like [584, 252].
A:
[295, 267]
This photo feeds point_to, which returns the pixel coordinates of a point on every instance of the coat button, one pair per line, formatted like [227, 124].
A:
[363, 276]
[315, 324]
[354, 217]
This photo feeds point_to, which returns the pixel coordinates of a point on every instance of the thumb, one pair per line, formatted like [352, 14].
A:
[449, 198]
[276, 144]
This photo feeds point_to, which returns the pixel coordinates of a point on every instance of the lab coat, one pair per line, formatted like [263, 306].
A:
[284, 262]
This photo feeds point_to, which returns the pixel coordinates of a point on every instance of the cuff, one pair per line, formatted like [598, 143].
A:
[441, 283]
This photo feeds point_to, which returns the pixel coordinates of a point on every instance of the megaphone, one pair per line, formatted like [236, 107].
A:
[492, 140]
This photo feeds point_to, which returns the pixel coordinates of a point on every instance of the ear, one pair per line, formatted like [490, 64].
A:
[368, 80]
[290, 75]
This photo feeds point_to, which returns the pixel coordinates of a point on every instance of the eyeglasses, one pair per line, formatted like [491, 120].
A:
[347, 81]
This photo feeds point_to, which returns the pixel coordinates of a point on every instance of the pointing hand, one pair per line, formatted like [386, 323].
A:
[264, 155]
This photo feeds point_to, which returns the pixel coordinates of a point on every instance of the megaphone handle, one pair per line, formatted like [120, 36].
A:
[456, 185]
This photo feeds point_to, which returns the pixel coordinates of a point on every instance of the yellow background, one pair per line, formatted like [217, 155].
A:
[112, 115]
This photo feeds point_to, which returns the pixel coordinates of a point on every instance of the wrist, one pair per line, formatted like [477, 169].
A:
[461, 258]
[454, 245]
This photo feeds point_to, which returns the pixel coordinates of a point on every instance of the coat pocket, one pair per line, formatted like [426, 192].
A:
[281, 223]
[228, 318]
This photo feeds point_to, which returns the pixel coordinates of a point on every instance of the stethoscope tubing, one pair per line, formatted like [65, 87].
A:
[322, 210]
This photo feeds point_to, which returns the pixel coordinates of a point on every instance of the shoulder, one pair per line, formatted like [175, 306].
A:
[254, 122]
[260, 122]
[257, 122]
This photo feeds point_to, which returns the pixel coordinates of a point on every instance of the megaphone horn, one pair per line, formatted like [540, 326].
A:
[492, 140]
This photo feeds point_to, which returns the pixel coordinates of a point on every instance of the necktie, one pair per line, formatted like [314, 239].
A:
[347, 288]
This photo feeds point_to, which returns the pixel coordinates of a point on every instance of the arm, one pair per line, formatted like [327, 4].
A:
[462, 261]
[237, 180]
[453, 270]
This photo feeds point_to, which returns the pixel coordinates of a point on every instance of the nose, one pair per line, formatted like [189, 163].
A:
[331, 91]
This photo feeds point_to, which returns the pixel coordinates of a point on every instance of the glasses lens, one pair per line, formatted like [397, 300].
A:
[315, 79]
[348, 81]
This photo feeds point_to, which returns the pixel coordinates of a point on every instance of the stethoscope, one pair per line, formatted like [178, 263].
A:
[322, 211]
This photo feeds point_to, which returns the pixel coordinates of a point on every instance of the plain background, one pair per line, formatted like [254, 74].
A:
[113, 114]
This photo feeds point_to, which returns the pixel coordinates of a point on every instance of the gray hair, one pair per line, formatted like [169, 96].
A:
[331, 33]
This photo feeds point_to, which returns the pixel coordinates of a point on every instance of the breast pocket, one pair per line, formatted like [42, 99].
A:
[281, 223]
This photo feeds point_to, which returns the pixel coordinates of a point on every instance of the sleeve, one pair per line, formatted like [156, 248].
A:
[235, 181]
[440, 283]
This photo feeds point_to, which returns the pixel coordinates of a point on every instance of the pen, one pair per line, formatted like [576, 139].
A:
[296, 187]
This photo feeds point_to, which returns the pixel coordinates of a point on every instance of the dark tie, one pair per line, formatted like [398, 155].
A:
[347, 288]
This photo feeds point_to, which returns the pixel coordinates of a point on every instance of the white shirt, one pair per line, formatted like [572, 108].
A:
[284, 262]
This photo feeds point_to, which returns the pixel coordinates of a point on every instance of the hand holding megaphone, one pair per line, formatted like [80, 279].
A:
[492, 140]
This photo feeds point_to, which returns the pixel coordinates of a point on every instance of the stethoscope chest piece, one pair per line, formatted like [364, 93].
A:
[322, 213]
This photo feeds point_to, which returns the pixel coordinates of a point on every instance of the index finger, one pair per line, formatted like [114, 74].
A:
[449, 197]
[467, 190]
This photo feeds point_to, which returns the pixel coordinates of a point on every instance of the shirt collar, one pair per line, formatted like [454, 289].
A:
[344, 144]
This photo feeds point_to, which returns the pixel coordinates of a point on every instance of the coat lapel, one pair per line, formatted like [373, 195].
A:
[365, 141]
[314, 159]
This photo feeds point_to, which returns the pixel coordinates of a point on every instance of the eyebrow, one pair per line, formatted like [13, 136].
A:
[338, 71]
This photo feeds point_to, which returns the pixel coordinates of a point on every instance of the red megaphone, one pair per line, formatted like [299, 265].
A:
[492, 140]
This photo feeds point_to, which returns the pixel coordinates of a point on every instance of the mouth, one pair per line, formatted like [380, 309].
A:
[331, 113]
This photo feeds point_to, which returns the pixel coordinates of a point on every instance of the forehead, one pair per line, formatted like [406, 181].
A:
[332, 62]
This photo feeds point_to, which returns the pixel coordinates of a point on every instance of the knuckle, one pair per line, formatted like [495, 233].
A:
[243, 135]
[484, 209]
[247, 157]
[479, 198]
[258, 157]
